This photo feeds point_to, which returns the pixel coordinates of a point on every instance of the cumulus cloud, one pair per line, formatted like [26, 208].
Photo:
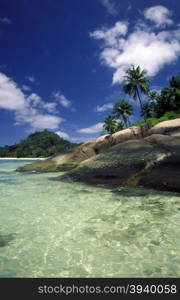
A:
[5, 20]
[73, 139]
[159, 14]
[104, 107]
[11, 97]
[26, 88]
[31, 78]
[62, 99]
[148, 49]
[92, 129]
[50, 107]
[37, 120]
[63, 134]
[80, 139]
[110, 7]
[35, 101]
[111, 36]
[31, 110]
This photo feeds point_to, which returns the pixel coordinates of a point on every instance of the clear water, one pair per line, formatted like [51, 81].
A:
[55, 229]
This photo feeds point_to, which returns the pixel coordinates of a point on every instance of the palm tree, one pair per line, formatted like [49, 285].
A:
[153, 96]
[136, 82]
[120, 126]
[147, 111]
[124, 109]
[174, 91]
[110, 124]
[175, 82]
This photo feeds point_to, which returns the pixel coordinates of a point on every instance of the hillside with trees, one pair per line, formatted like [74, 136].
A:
[39, 144]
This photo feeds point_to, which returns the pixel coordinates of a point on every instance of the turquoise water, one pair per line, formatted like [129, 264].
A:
[57, 229]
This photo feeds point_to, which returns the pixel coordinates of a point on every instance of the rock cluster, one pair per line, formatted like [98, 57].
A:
[138, 156]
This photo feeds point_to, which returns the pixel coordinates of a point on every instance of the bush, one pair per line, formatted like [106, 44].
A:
[170, 115]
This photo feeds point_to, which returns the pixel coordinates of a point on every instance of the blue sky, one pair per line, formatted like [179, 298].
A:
[62, 62]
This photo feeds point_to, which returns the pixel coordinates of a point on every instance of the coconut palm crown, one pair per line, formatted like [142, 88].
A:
[135, 82]
[124, 109]
[110, 124]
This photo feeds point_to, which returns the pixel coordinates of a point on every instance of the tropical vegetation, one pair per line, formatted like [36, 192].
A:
[136, 82]
[123, 109]
[39, 144]
[110, 124]
[159, 106]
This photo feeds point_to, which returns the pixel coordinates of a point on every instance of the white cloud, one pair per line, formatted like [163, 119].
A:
[80, 139]
[63, 134]
[37, 120]
[27, 110]
[110, 7]
[92, 129]
[31, 78]
[50, 107]
[77, 140]
[73, 139]
[111, 36]
[5, 20]
[159, 14]
[104, 107]
[150, 50]
[62, 99]
[11, 97]
[34, 99]
[46, 121]
[26, 88]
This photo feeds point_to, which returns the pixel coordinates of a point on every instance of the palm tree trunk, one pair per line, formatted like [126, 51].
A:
[129, 123]
[125, 121]
[140, 101]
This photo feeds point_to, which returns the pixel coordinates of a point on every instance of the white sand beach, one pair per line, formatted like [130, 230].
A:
[22, 158]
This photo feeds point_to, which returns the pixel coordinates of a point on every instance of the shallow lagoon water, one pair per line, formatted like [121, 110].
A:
[58, 229]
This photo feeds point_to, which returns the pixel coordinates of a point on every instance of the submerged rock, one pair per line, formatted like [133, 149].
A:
[5, 239]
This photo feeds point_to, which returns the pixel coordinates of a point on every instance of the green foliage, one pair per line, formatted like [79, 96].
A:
[167, 100]
[135, 82]
[110, 124]
[39, 144]
[175, 82]
[161, 106]
[124, 109]
[119, 126]
[148, 110]
[170, 115]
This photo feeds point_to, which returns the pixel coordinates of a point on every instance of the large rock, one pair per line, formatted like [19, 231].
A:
[165, 175]
[135, 156]
[89, 149]
[170, 127]
[152, 162]
[118, 164]
[62, 162]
